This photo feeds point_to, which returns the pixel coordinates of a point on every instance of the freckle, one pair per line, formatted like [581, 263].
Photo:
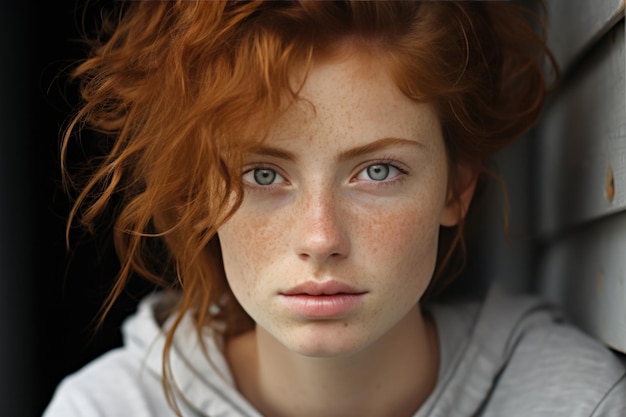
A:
[345, 324]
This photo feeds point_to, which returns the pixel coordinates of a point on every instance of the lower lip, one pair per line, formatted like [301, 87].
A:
[322, 306]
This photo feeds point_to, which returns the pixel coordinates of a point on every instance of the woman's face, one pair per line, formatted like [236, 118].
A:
[336, 239]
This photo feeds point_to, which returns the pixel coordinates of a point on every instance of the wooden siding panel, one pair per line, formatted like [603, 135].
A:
[576, 24]
[585, 272]
[580, 156]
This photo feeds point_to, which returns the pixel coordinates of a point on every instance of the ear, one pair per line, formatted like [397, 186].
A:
[460, 193]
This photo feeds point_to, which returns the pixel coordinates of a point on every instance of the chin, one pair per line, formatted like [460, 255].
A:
[326, 340]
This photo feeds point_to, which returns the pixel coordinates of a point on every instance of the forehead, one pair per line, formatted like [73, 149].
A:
[353, 96]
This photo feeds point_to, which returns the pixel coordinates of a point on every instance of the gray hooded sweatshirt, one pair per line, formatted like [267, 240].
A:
[506, 357]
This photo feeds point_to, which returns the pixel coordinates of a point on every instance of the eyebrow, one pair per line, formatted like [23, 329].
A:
[374, 146]
[276, 153]
[348, 154]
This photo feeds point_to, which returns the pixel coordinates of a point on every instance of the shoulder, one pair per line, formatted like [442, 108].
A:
[115, 384]
[124, 381]
[128, 381]
[548, 366]
[517, 356]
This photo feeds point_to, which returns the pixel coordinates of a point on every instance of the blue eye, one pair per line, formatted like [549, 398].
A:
[263, 177]
[378, 172]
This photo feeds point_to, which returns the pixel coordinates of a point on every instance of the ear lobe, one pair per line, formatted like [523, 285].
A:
[460, 193]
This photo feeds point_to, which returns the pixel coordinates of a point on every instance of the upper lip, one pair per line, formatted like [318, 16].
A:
[322, 288]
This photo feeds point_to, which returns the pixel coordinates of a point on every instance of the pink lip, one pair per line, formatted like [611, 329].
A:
[324, 300]
[322, 288]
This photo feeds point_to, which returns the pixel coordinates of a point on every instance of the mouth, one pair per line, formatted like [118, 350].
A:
[328, 288]
[322, 300]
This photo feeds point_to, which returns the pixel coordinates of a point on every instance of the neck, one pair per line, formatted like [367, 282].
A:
[392, 377]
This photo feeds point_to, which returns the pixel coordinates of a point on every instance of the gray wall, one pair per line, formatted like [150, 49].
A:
[579, 160]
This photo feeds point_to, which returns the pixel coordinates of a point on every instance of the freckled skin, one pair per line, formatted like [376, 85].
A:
[325, 219]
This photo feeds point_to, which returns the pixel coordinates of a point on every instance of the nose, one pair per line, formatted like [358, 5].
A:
[321, 229]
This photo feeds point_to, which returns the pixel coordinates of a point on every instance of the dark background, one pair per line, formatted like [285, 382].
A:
[49, 296]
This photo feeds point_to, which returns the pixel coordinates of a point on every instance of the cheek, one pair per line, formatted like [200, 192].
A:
[405, 241]
[236, 240]
[245, 243]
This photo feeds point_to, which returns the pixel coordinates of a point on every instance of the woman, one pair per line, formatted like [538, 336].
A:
[297, 175]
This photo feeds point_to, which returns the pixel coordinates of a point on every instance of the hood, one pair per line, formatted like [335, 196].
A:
[201, 380]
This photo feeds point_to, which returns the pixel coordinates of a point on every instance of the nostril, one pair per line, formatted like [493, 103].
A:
[306, 256]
